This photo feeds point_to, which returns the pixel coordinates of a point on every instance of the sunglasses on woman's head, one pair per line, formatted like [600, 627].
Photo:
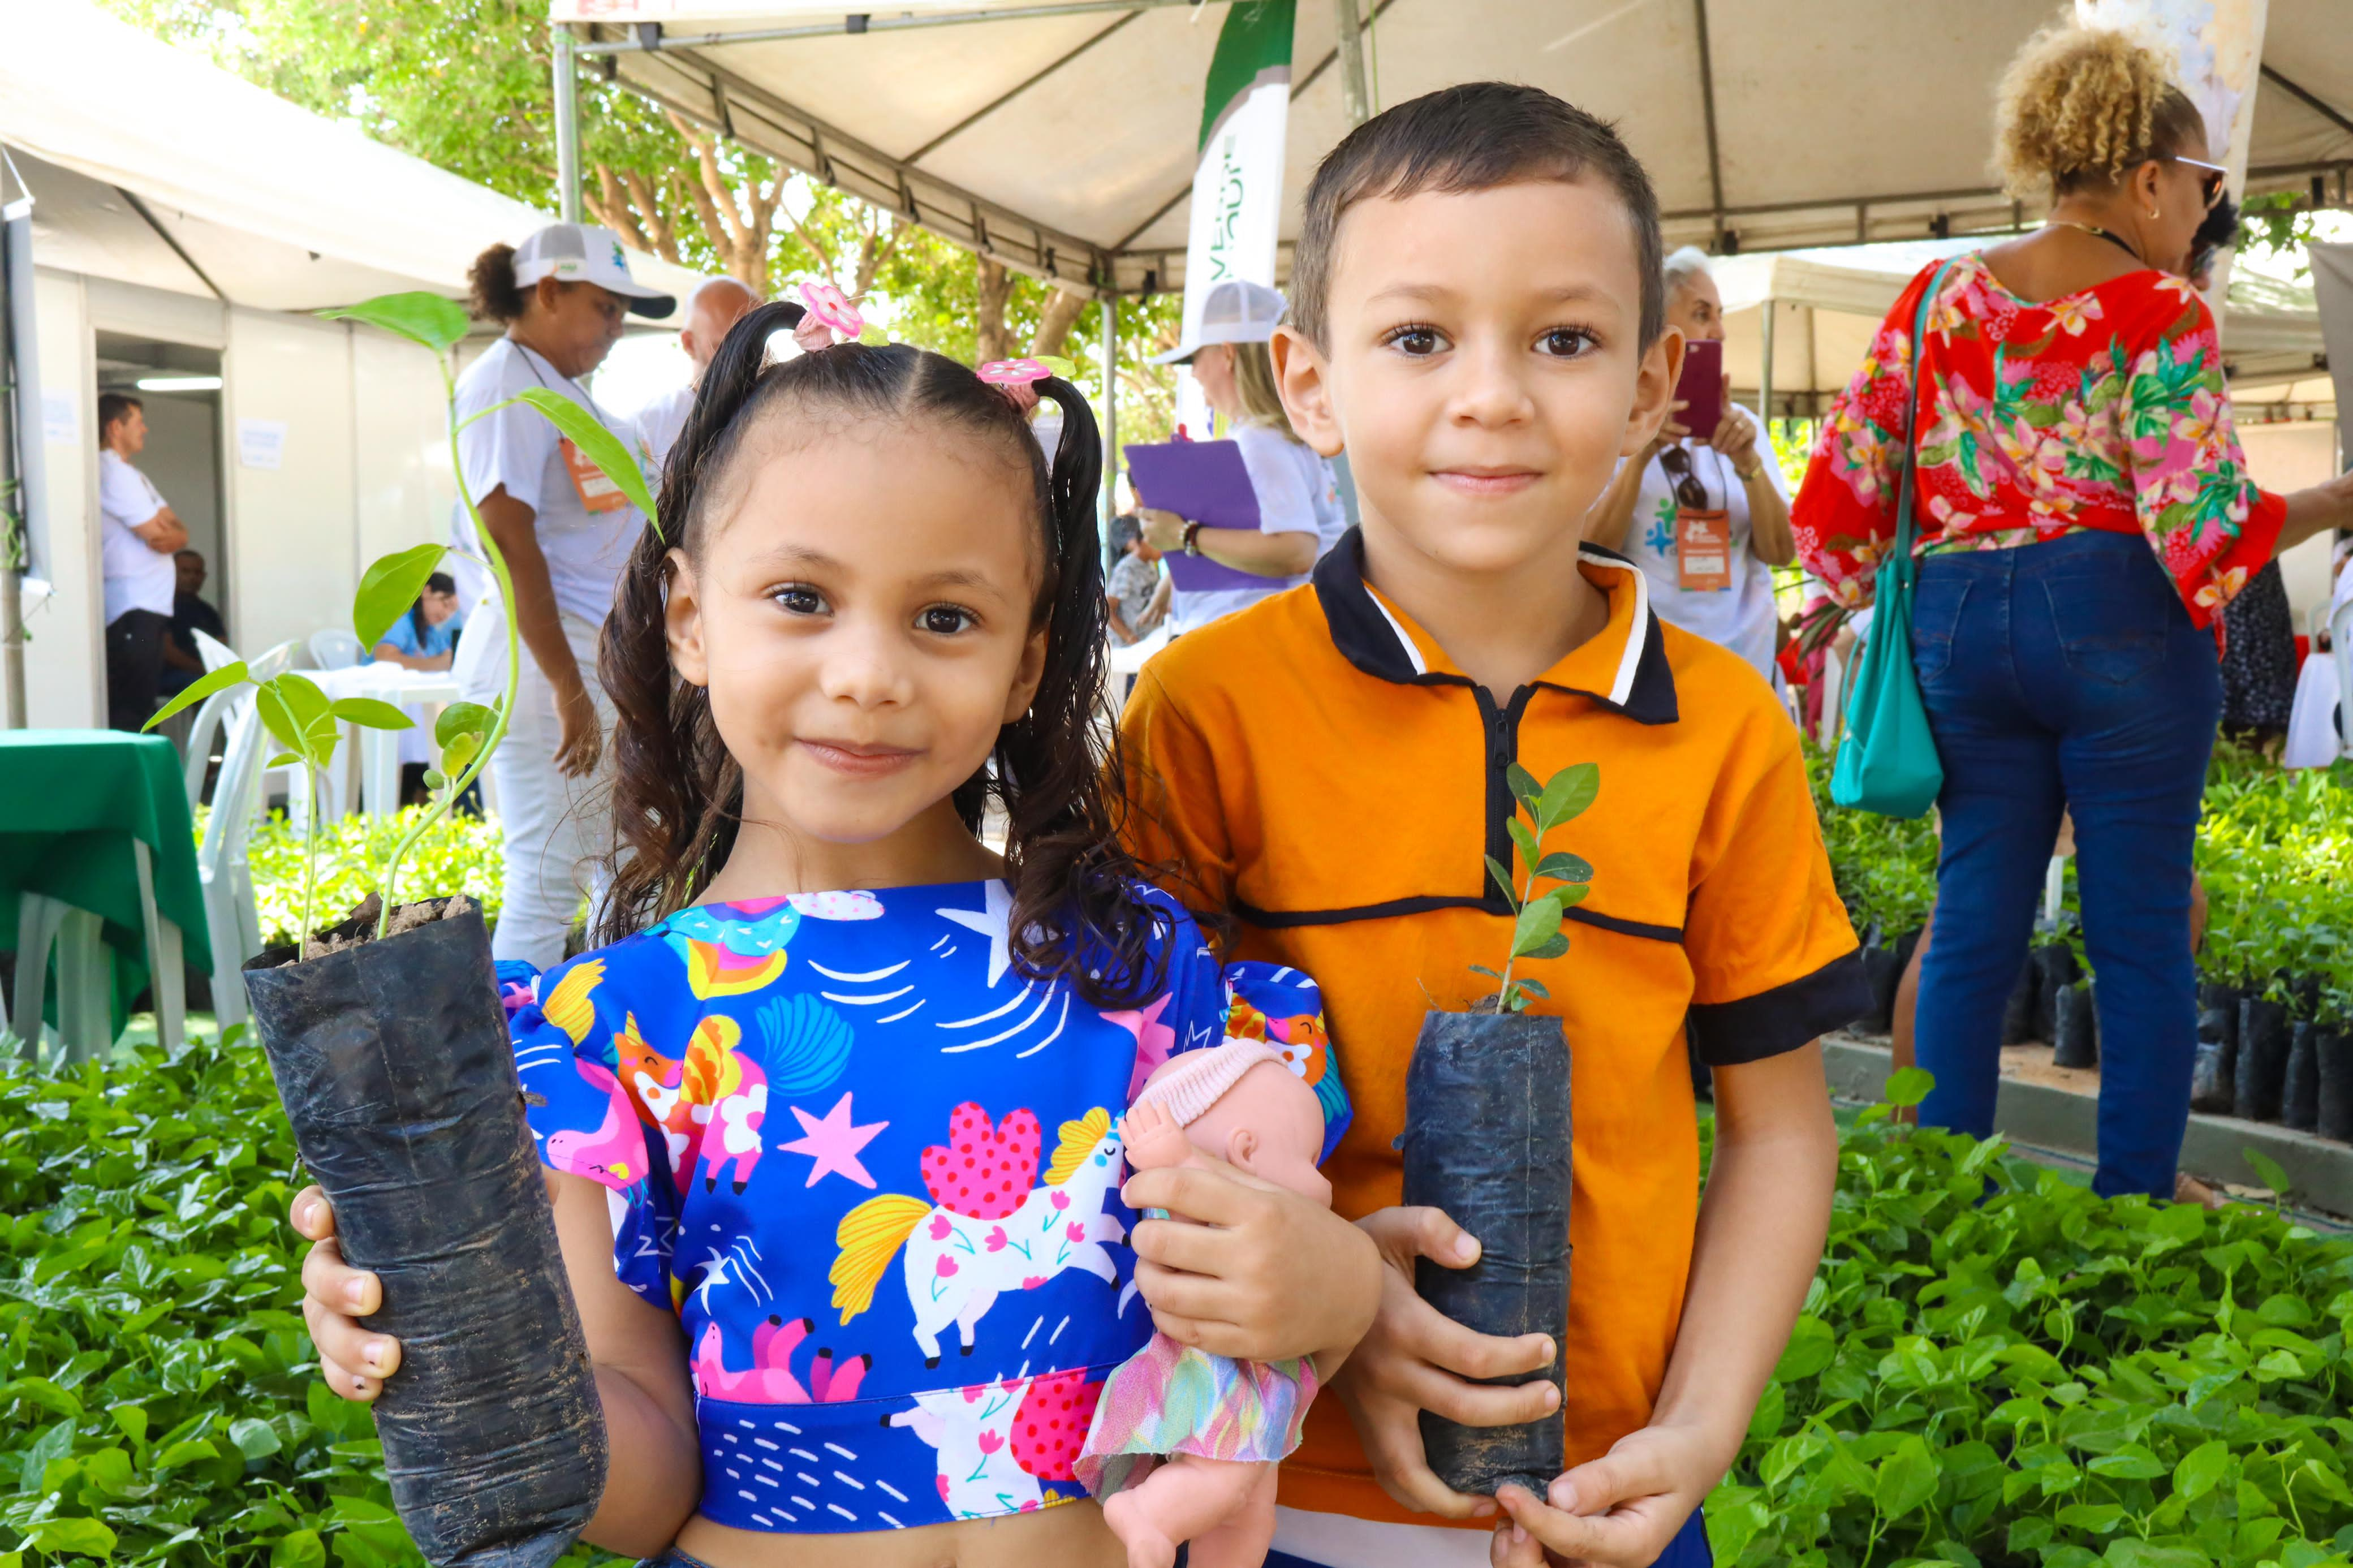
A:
[1688, 489]
[2212, 177]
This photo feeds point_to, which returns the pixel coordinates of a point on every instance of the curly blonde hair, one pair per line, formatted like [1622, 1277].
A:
[2081, 105]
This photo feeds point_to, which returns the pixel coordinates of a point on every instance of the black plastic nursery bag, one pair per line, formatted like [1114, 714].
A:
[392, 1061]
[1487, 1141]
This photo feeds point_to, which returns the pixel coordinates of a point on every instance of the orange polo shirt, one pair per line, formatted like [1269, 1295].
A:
[1317, 768]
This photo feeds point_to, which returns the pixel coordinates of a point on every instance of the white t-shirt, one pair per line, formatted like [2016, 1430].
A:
[518, 448]
[1740, 617]
[1296, 494]
[662, 421]
[137, 577]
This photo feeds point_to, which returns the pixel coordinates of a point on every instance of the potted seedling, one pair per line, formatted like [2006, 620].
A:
[1487, 1141]
[388, 1043]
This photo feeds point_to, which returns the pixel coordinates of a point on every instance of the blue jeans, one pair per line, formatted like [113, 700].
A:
[2066, 675]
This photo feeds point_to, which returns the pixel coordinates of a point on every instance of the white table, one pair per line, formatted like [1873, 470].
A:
[378, 751]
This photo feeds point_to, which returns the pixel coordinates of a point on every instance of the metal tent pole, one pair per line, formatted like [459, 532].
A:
[1110, 416]
[1353, 96]
[568, 130]
[1765, 379]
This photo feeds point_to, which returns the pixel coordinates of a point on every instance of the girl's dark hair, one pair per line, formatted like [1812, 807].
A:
[493, 293]
[439, 582]
[678, 796]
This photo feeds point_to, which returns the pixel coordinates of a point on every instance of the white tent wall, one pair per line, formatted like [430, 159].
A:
[2290, 456]
[64, 663]
[293, 529]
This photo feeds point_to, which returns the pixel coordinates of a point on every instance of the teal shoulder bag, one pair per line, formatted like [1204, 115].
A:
[1887, 763]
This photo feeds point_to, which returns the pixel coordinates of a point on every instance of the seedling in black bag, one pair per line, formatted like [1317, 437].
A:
[388, 1044]
[1487, 1141]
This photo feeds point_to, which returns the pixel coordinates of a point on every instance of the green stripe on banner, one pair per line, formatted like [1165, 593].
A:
[1255, 39]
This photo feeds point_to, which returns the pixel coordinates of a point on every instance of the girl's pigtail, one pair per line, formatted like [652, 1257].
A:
[676, 792]
[1073, 883]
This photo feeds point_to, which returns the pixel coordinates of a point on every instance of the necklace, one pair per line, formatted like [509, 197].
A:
[2097, 232]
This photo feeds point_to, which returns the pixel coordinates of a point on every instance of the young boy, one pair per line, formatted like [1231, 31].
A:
[1477, 321]
[1134, 584]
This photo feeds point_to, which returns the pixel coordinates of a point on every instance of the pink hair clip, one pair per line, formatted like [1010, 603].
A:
[1023, 372]
[828, 317]
[1016, 378]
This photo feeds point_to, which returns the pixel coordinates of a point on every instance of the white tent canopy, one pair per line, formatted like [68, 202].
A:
[1060, 137]
[148, 165]
[1827, 304]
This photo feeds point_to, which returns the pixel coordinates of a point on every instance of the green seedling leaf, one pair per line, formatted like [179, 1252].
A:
[1503, 880]
[86, 1537]
[389, 590]
[1533, 988]
[1909, 1086]
[284, 759]
[1553, 949]
[1562, 867]
[2268, 1169]
[459, 753]
[462, 719]
[1524, 786]
[434, 779]
[424, 318]
[298, 1549]
[1525, 837]
[1905, 1479]
[254, 1439]
[1483, 969]
[1539, 923]
[1572, 894]
[294, 709]
[199, 689]
[370, 714]
[598, 445]
[1565, 797]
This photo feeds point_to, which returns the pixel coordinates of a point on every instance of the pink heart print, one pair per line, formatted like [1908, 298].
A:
[984, 1172]
[1051, 1424]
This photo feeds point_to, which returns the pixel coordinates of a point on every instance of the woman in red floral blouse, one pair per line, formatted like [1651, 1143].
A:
[2084, 513]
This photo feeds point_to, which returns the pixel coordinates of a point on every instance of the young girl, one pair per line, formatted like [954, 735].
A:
[830, 1121]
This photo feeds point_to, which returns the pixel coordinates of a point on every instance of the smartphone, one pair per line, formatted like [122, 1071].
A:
[1700, 388]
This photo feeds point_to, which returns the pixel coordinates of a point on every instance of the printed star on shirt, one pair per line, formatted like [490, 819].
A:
[715, 1274]
[994, 924]
[834, 1144]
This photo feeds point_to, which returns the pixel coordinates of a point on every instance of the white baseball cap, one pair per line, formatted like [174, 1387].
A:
[1235, 312]
[585, 253]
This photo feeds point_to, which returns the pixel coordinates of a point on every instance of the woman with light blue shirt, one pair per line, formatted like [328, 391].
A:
[425, 637]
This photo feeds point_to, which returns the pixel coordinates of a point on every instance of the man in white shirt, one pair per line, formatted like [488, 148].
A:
[716, 304]
[138, 535]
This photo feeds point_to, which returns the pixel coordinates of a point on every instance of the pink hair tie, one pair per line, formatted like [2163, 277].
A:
[1016, 378]
[828, 317]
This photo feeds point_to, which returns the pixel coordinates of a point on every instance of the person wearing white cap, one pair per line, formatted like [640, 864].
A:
[716, 304]
[1299, 510]
[566, 531]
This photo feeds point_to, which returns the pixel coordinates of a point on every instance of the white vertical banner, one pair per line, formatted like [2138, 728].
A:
[1237, 210]
[2217, 49]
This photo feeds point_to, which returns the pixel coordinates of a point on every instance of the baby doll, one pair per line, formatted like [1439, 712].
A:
[1184, 1443]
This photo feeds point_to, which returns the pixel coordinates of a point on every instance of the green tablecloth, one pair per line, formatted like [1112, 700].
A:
[71, 802]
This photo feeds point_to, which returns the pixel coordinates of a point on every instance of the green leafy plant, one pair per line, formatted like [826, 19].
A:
[1996, 1367]
[302, 719]
[456, 854]
[1536, 932]
[465, 732]
[300, 715]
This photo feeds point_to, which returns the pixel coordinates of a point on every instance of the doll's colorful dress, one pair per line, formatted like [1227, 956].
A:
[1170, 1398]
[874, 1169]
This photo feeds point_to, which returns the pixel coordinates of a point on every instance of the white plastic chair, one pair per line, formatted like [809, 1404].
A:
[333, 647]
[2340, 640]
[85, 980]
[212, 712]
[232, 924]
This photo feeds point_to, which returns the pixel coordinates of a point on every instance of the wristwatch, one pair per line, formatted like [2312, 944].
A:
[1748, 476]
[1192, 538]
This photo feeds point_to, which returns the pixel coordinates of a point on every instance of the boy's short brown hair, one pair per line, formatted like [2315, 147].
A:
[1473, 137]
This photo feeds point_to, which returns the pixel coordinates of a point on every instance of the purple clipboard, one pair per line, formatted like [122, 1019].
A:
[1200, 481]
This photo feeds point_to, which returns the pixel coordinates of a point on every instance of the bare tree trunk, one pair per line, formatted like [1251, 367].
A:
[993, 342]
[740, 236]
[1063, 306]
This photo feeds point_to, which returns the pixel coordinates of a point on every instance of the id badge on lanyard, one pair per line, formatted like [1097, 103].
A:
[1703, 550]
[599, 494]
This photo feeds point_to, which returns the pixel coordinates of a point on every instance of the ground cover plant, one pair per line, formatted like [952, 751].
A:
[455, 854]
[1995, 1366]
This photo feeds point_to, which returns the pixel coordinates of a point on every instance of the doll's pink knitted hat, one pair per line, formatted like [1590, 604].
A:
[1196, 1080]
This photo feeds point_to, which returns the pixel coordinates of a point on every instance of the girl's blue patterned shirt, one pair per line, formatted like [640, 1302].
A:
[874, 1167]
